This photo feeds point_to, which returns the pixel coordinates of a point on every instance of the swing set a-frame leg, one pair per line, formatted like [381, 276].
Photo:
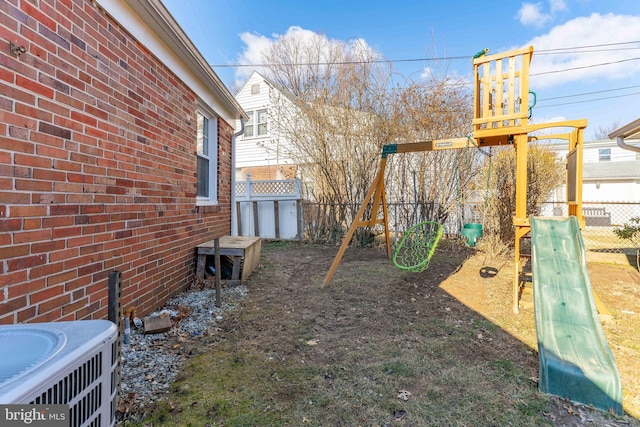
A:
[377, 193]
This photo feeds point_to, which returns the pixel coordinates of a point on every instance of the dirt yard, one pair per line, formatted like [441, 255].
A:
[383, 347]
[618, 286]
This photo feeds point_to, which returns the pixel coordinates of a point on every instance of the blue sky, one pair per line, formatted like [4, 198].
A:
[600, 42]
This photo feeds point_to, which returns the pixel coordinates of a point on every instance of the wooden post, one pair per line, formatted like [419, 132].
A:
[520, 231]
[385, 220]
[520, 220]
[239, 218]
[200, 265]
[216, 248]
[358, 222]
[276, 218]
[299, 218]
[256, 227]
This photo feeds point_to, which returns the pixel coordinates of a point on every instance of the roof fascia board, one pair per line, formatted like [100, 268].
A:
[629, 130]
[151, 23]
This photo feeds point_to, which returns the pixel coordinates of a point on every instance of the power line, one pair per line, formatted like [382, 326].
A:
[608, 47]
[574, 49]
[375, 61]
[584, 66]
[586, 47]
[589, 93]
[592, 51]
[588, 100]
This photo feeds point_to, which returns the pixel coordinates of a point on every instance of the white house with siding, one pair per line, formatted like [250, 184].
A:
[610, 174]
[259, 150]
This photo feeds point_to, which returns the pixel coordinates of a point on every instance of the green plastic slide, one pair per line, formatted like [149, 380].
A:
[575, 360]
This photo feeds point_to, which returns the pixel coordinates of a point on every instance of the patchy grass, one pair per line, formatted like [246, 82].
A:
[378, 347]
[222, 388]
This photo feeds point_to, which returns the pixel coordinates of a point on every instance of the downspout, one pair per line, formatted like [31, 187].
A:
[624, 132]
[233, 175]
[622, 144]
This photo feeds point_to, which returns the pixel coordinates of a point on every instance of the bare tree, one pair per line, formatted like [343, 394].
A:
[602, 133]
[336, 107]
[545, 172]
[436, 109]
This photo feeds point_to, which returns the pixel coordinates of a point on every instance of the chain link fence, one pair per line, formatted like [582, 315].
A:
[328, 222]
[601, 219]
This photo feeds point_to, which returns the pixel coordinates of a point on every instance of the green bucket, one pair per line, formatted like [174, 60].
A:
[471, 232]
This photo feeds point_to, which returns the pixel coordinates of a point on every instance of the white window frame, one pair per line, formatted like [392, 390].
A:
[252, 125]
[604, 155]
[210, 154]
[259, 123]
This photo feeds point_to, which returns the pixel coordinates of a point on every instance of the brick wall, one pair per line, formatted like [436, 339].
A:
[97, 167]
[261, 173]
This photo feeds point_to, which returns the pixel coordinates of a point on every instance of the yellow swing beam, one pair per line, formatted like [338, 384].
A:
[377, 195]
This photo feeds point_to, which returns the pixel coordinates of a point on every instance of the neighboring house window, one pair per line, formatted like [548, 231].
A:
[257, 124]
[207, 141]
[255, 89]
[604, 154]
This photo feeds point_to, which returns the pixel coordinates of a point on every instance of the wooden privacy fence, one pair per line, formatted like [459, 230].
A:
[269, 209]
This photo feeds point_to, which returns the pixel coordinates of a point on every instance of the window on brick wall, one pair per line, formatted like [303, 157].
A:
[257, 124]
[207, 141]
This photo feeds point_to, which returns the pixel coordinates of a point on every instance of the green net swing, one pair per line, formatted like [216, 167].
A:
[417, 246]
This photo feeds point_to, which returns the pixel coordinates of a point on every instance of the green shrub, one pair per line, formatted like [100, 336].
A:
[630, 232]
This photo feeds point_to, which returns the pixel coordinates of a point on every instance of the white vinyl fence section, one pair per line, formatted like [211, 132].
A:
[268, 209]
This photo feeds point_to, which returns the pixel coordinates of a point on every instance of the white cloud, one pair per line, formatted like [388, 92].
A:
[557, 5]
[584, 65]
[256, 45]
[530, 14]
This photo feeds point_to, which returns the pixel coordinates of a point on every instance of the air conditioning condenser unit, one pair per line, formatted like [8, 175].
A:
[70, 363]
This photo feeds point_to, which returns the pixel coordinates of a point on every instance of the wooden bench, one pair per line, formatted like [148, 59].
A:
[596, 217]
[244, 252]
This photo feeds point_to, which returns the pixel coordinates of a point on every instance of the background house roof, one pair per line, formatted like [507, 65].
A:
[612, 170]
[630, 131]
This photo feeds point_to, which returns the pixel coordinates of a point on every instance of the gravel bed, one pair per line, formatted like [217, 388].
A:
[151, 362]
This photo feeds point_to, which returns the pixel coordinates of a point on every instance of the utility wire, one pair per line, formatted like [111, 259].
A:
[588, 100]
[539, 53]
[586, 46]
[374, 61]
[589, 93]
[584, 67]
[565, 50]
[558, 51]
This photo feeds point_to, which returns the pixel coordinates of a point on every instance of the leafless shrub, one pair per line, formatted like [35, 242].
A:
[545, 172]
[336, 107]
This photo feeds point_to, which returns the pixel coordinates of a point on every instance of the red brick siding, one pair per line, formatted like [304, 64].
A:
[261, 173]
[97, 167]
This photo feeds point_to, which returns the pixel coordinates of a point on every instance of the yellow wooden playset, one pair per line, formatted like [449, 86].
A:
[501, 118]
